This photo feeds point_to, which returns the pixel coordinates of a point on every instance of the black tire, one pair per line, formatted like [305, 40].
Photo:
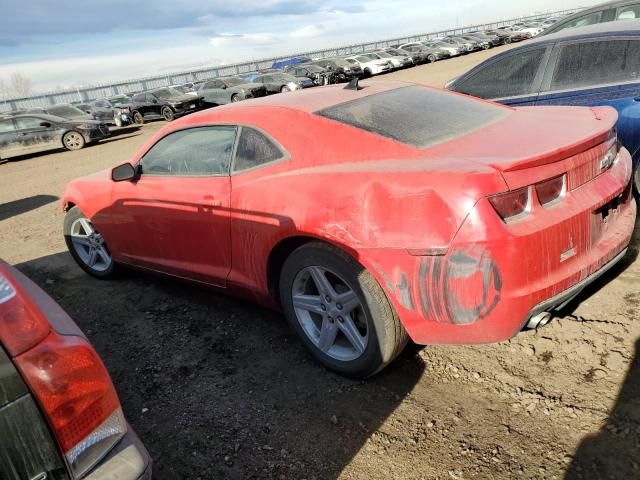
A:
[431, 59]
[235, 98]
[387, 336]
[285, 89]
[507, 41]
[367, 73]
[168, 114]
[70, 218]
[137, 118]
[73, 140]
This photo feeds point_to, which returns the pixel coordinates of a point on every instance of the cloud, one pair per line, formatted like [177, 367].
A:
[71, 17]
[308, 31]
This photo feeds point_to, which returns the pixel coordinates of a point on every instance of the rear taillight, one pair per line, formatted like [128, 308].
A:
[76, 395]
[512, 205]
[21, 325]
[551, 191]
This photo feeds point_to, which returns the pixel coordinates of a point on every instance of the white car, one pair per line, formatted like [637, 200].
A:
[370, 67]
[531, 29]
[396, 61]
[447, 47]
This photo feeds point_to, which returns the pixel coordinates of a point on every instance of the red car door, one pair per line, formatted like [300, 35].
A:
[175, 217]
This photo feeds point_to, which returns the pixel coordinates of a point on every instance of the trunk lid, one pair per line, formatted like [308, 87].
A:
[561, 140]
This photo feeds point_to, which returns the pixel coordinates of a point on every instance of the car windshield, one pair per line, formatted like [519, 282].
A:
[341, 62]
[66, 111]
[168, 92]
[417, 116]
[384, 55]
[352, 60]
[314, 68]
[233, 82]
[362, 58]
[119, 100]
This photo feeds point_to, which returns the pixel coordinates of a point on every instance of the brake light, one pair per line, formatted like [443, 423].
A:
[21, 325]
[512, 205]
[551, 191]
[75, 392]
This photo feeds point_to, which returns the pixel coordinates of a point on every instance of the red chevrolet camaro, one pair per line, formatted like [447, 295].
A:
[370, 215]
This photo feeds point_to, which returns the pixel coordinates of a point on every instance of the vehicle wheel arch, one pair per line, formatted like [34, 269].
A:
[281, 251]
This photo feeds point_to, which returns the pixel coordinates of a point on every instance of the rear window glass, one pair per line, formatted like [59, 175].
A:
[417, 116]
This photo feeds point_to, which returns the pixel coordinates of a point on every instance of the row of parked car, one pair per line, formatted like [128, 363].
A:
[75, 125]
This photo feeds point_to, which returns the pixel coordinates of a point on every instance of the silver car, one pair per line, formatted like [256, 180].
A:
[223, 90]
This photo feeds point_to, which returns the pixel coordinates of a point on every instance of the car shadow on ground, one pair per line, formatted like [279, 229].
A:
[23, 205]
[217, 387]
[613, 451]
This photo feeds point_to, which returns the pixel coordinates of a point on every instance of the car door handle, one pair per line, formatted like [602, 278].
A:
[211, 201]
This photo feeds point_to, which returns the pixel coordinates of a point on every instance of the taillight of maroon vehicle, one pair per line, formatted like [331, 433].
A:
[66, 376]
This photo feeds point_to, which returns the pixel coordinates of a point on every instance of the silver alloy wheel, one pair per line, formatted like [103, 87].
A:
[89, 245]
[73, 140]
[330, 313]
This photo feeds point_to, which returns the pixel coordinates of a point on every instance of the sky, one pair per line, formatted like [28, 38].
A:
[70, 43]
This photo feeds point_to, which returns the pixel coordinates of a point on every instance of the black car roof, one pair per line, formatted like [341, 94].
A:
[44, 116]
[587, 11]
[618, 28]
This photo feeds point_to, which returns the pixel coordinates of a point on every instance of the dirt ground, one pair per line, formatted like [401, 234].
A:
[219, 388]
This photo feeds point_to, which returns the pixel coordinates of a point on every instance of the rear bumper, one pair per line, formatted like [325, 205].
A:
[128, 460]
[495, 276]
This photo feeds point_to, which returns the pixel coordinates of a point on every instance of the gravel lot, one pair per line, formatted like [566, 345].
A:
[218, 388]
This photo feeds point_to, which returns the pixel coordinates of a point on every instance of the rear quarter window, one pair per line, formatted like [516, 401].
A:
[417, 116]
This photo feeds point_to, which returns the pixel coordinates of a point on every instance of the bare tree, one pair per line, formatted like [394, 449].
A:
[20, 84]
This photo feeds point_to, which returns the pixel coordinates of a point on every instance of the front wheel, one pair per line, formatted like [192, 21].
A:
[431, 59]
[86, 245]
[235, 98]
[339, 310]
[168, 114]
[138, 118]
[73, 140]
[285, 89]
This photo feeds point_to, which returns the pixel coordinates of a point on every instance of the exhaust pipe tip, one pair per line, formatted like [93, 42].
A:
[539, 320]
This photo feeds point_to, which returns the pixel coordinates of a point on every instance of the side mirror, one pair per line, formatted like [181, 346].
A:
[123, 173]
[45, 124]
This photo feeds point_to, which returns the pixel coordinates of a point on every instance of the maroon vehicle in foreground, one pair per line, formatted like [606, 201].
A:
[60, 417]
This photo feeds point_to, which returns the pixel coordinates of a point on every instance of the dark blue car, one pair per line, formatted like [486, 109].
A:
[589, 66]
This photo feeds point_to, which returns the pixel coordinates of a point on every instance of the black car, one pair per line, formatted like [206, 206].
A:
[493, 40]
[343, 70]
[603, 13]
[319, 75]
[103, 110]
[33, 132]
[282, 82]
[162, 103]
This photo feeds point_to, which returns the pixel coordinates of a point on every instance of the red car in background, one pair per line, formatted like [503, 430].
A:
[370, 214]
[60, 417]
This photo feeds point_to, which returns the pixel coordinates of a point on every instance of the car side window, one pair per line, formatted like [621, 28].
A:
[254, 149]
[139, 98]
[597, 63]
[151, 98]
[6, 126]
[589, 19]
[628, 13]
[28, 123]
[508, 77]
[200, 151]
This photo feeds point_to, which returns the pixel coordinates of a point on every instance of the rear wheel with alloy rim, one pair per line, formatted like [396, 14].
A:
[431, 59]
[73, 140]
[339, 310]
[86, 245]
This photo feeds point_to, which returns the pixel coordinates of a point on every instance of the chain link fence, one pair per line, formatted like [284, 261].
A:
[86, 94]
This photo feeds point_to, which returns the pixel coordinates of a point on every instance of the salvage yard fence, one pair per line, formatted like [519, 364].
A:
[89, 93]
